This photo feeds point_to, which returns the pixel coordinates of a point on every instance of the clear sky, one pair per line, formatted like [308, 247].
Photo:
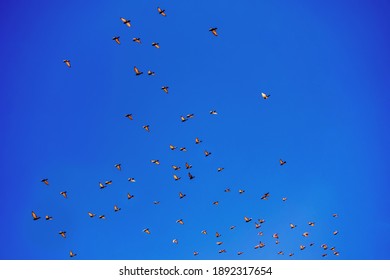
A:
[325, 65]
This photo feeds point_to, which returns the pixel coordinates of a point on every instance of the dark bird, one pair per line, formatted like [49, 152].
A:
[62, 233]
[214, 31]
[67, 62]
[240, 253]
[206, 153]
[203, 231]
[116, 208]
[217, 234]
[190, 116]
[156, 45]
[335, 215]
[64, 194]
[213, 112]
[108, 182]
[183, 149]
[126, 21]
[282, 162]
[116, 39]
[151, 73]
[265, 196]
[241, 191]
[232, 227]
[129, 116]
[131, 180]
[188, 166]
[227, 190]
[45, 181]
[291, 254]
[247, 219]
[35, 217]
[156, 202]
[219, 169]
[196, 253]
[165, 89]
[102, 217]
[222, 251]
[190, 176]
[137, 71]
[161, 11]
[137, 40]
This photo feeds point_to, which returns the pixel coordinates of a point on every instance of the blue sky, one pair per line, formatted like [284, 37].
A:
[325, 66]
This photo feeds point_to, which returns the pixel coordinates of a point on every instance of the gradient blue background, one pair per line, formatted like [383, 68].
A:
[325, 65]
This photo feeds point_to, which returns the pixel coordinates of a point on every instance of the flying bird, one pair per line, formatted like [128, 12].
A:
[275, 235]
[291, 254]
[67, 62]
[172, 147]
[214, 31]
[102, 217]
[335, 215]
[62, 233]
[183, 119]
[165, 89]
[181, 195]
[108, 182]
[146, 230]
[219, 243]
[240, 253]
[146, 127]
[282, 162]
[217, 234]
[126, 21]
[175, 241]
[116, 208]
[293, 226]
[302, 247]
[118, 166]
[175, 167]
[241, 191]
[215, 202]
[129, 196]
[48, 218]
[311, 224]
[35, 217]
[206, 153]
[45, 181]
[196, 253]
[156, 202]
[190, 176]
[335, 232]
[176, 177]
[183, 149]
[156, 45]
[188, 166]
[222, 251]
[227, 190]
[155, 161]
[203, 231]
[71, 254]
[219, 169]
[261, 221]
[213, 112]
[247, 219]
[284, 198]
[180, 221]
[324, 246]
[305, 234]
[257, 225]
[151, 73]
[137, 40]
[116, 39]
[129, 116]
[131, 180]
[197, 140]
[64, 194]
[137, 71]
[190, 116]
[91, 215]
[265, 96]
[265, 196]
[232, 227]
[161, 11]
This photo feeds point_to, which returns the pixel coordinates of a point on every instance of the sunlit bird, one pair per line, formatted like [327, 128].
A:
[129, 116]
[131, 180]
[67, 62]
[71, 254]
[175, 241]
[183, 119]
[232, 227]
[156, 45]
[155, 161]
[181, 195]
[265, 196]
[151, 73]
[291, 254]
[206, 153]
[275, 235]
[108, 182]
[241, 191]
[188, 166]
[282, 162]
[324, 246]
[102, 217]
[146, 230]
[257, 225]
[280, 253]
[101, 185]
[180, 221]
[214, 31]
[48, 218]
[247, 219]
[137, 71]
[146, 127]
[261, 221]
[172, 147]
[265, 96]
[161, 11]
[118, 166]
[197, 140]
[62, 233]
[175, 167]
[284, 198]
[130, 196]
[64, 194]
[293, 226]
[311, 224]
[203, 231]
[35, 216]
[222, 251]
[165, 89]
[116, 208]
[335, 232]
[240, 253]
[335, 215]
[196, 253]
[183, 149]
[302, 247]
[215, 202]
[45, 181]
[126, 21]
[91, 215]
[190, 116]
[219, 242]
[176, 177]
[227, 190]
[213, 112]
[116, 39]
[219, 169]
[305, 234]
[137, 40]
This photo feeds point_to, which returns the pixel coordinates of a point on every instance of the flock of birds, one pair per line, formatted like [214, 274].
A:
[118, 166]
